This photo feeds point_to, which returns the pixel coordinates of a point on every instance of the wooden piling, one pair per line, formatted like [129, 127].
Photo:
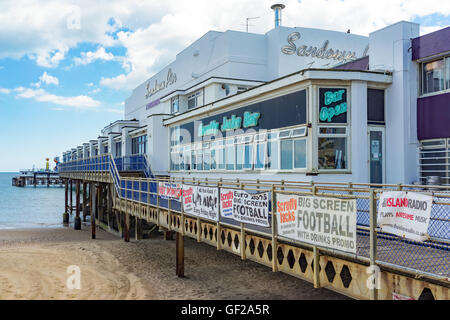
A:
[179, 255]
[77, 224]
[66, 202]
[71, 195]
[84, 201]
[93, 205]
[126, 222]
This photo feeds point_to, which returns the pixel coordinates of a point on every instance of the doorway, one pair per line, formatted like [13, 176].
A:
[376, 154]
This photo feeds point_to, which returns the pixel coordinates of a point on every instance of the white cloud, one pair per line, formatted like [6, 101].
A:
[41, 29]
[5, 91]
[115, 111]
[90, 84]
[47, 79]
[89, 57]
[41, 95]
[96, 90]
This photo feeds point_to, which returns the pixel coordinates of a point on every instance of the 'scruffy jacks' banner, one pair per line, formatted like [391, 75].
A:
[320, 221]
[170, 190]
[406, 214]
[201, 201]
[245, 207]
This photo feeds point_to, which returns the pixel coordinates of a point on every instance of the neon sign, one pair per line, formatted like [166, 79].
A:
[335, 101]
[232, 123]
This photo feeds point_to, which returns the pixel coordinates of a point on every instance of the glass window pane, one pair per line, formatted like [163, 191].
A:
[248, 156]
[272, 155]
[213, 159]
[199, 160]
[231, 156]
[260, 152]
[239, 156]
[332, 130]
[206, 159]
[433, 76]
[222, 158]
[332, 153]
[286, 154]
[300, 154]
[447, 65]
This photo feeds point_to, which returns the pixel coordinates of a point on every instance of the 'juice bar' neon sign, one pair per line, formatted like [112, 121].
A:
[332, 105]
[232, 123]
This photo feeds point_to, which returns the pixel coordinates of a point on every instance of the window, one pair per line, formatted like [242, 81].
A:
[118, 149]
[286, 154]
[435, 75]
[260, 155]
[272, 151]
[332, 148]
[195, 99]
[105, 149]
[435, 160]
[175, 105]
[139, 145]
[241, 89]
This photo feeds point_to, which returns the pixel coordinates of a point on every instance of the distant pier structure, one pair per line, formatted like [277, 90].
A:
[37, 178]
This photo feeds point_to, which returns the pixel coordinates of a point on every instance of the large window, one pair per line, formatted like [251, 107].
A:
[435, 75]
[275, 150]
[195, 99]
[332, 148]
[175, 105]
[139, 145]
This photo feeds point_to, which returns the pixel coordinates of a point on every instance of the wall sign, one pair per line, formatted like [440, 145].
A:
[322, 52]
[232, 123]
[201, 201]
[158, 86]
[332, 105]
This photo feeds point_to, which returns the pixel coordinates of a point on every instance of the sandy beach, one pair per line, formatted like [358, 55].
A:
[34, 262]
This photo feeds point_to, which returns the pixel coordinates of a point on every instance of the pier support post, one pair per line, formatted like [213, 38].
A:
[77, 224]
[93, 205]
[66, 202]
[71, 195]
[137, 228]
[84, 201]
[180, 255]
[109, 205]
[126, 222]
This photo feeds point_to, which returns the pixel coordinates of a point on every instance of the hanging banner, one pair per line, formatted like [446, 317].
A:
[406, 214]
[321, 221]
[169, 190]
[251, 208]
[201, 201]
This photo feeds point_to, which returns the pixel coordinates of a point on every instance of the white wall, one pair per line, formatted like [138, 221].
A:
[389, 49]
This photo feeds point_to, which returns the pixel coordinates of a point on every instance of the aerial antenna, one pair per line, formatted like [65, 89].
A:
[247, 19]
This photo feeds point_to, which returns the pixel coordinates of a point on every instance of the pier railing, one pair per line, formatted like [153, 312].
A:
[428, 259]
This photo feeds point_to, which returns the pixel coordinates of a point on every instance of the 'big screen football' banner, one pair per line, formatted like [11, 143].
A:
[245, 207]
[201, 201]
[325, 222]
[170, 190]
[406, 214]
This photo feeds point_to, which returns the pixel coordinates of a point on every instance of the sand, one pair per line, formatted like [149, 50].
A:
[34, 263]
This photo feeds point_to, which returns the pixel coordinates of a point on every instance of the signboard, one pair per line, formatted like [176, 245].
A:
[245, 207]
[332, 105]
[233, 123]
[169, 190]
[320, 221]
[201, 201]
[406, 214]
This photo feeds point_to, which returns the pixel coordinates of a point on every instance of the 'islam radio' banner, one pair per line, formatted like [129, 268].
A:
[406, 214]
[201, 201]
[320, 221]
[251, 208]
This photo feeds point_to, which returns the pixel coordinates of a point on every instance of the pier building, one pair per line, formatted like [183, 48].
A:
[294, 111]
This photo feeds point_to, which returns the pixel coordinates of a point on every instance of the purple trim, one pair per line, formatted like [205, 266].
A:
[433, 117]
[431, 44]
[359, 64]
[152, 104]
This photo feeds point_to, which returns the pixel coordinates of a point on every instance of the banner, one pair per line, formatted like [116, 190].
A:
[251, 208]
[406, 214]
[321, 221]
[201, 201]
[170, 190]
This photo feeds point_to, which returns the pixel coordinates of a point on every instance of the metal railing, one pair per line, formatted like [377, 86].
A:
[429, 259]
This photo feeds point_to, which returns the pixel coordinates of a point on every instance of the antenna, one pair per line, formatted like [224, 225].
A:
[247, 19]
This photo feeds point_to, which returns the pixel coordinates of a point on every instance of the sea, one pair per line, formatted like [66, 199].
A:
[30, 207]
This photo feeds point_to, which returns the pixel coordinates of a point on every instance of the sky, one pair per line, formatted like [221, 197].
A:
[66, 67]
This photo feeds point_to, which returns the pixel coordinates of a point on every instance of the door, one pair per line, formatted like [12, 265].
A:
[376, 154]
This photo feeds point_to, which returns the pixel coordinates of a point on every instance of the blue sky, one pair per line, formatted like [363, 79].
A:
[66, 67]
